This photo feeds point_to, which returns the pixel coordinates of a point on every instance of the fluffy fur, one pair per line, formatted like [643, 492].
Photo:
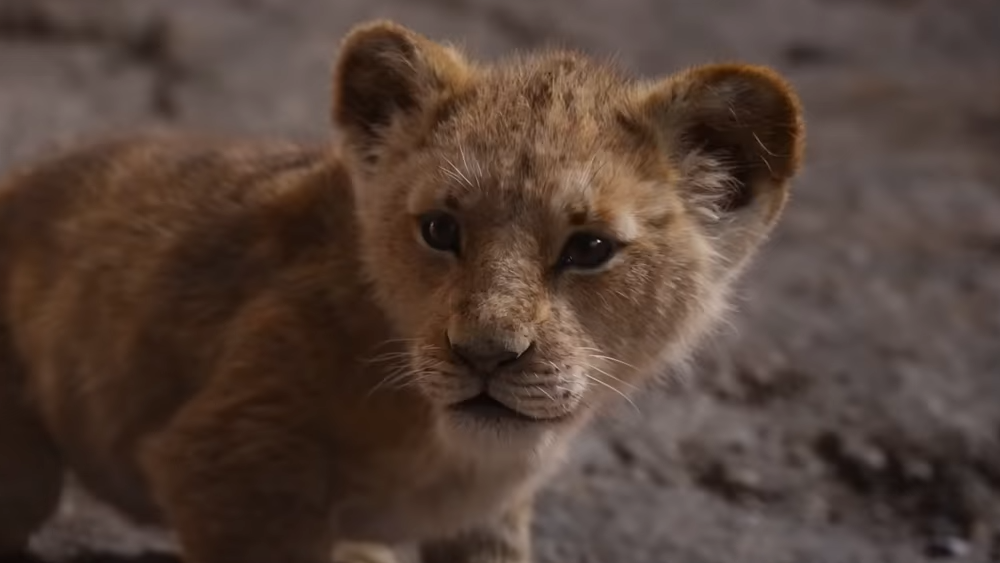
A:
[251, 344]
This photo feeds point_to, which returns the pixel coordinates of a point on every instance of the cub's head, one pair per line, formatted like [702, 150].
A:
[547, 232]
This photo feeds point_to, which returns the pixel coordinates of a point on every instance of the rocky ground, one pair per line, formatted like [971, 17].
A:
[852, 411]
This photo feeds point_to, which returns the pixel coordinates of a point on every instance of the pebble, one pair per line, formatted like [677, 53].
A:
[947, 547]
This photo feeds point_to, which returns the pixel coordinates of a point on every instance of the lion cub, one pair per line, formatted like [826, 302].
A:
[275, 349]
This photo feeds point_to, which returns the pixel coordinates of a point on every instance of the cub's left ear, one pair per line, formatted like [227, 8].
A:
[388, 80]
[736, 134]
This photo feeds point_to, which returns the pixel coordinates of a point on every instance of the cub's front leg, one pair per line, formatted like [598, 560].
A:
[505, 540]
[241, 479]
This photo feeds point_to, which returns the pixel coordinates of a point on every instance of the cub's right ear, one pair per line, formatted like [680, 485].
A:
[737, 135]
[388, 79]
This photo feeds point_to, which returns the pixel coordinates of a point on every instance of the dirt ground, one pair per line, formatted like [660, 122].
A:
[851, 414]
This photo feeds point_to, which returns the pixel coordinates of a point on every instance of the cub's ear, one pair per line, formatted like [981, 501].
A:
[736, 134]
[388, 77]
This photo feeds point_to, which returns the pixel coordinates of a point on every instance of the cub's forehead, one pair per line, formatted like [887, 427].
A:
[538, 99]
[595, 190]
[542, 136]
[534, 119]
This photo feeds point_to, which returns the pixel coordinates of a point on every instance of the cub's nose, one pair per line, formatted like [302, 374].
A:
[487, 355]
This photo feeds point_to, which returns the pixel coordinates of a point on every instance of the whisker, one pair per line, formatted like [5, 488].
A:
[395, 355]
[615, 360]
[451, 174]
[465, 162]
[479, 172]
[625, 383]
[623, 395]
[459, 172]
[394, 376]
[396, 340]
[386, 357]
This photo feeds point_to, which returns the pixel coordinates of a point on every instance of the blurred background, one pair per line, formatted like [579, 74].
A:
[850, 413]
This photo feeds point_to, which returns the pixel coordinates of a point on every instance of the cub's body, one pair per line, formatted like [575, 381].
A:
[274, 350]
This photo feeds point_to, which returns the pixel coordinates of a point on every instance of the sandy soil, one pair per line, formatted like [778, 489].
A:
[851, 414]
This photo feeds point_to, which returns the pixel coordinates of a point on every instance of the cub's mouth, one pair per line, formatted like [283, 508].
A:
[483, 406]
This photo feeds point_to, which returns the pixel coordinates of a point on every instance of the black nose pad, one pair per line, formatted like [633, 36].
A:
[488, 356]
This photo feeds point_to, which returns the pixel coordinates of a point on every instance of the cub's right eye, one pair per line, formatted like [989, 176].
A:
[440, 231]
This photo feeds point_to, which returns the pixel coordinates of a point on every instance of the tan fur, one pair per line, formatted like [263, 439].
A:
[250, 343]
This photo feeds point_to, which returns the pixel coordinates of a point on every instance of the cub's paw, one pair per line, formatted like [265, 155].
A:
[356, 552]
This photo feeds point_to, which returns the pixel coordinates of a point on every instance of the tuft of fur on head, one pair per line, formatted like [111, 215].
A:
[687, 175]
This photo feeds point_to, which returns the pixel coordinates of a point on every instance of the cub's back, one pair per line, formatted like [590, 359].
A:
[107, 229]
[122, 263]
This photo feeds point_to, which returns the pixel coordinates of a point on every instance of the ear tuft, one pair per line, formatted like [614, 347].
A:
[738, 127]
[384, 74]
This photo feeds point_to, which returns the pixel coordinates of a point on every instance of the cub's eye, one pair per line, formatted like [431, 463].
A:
[587, 251]
[440, 231]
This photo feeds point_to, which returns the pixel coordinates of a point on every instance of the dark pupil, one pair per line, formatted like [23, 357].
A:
[586, 251]
[440, 231]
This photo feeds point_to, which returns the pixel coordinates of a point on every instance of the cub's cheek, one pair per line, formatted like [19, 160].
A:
[421, 296]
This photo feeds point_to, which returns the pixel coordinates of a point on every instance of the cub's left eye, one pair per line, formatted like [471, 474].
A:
[440, 231]
[587, 251]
